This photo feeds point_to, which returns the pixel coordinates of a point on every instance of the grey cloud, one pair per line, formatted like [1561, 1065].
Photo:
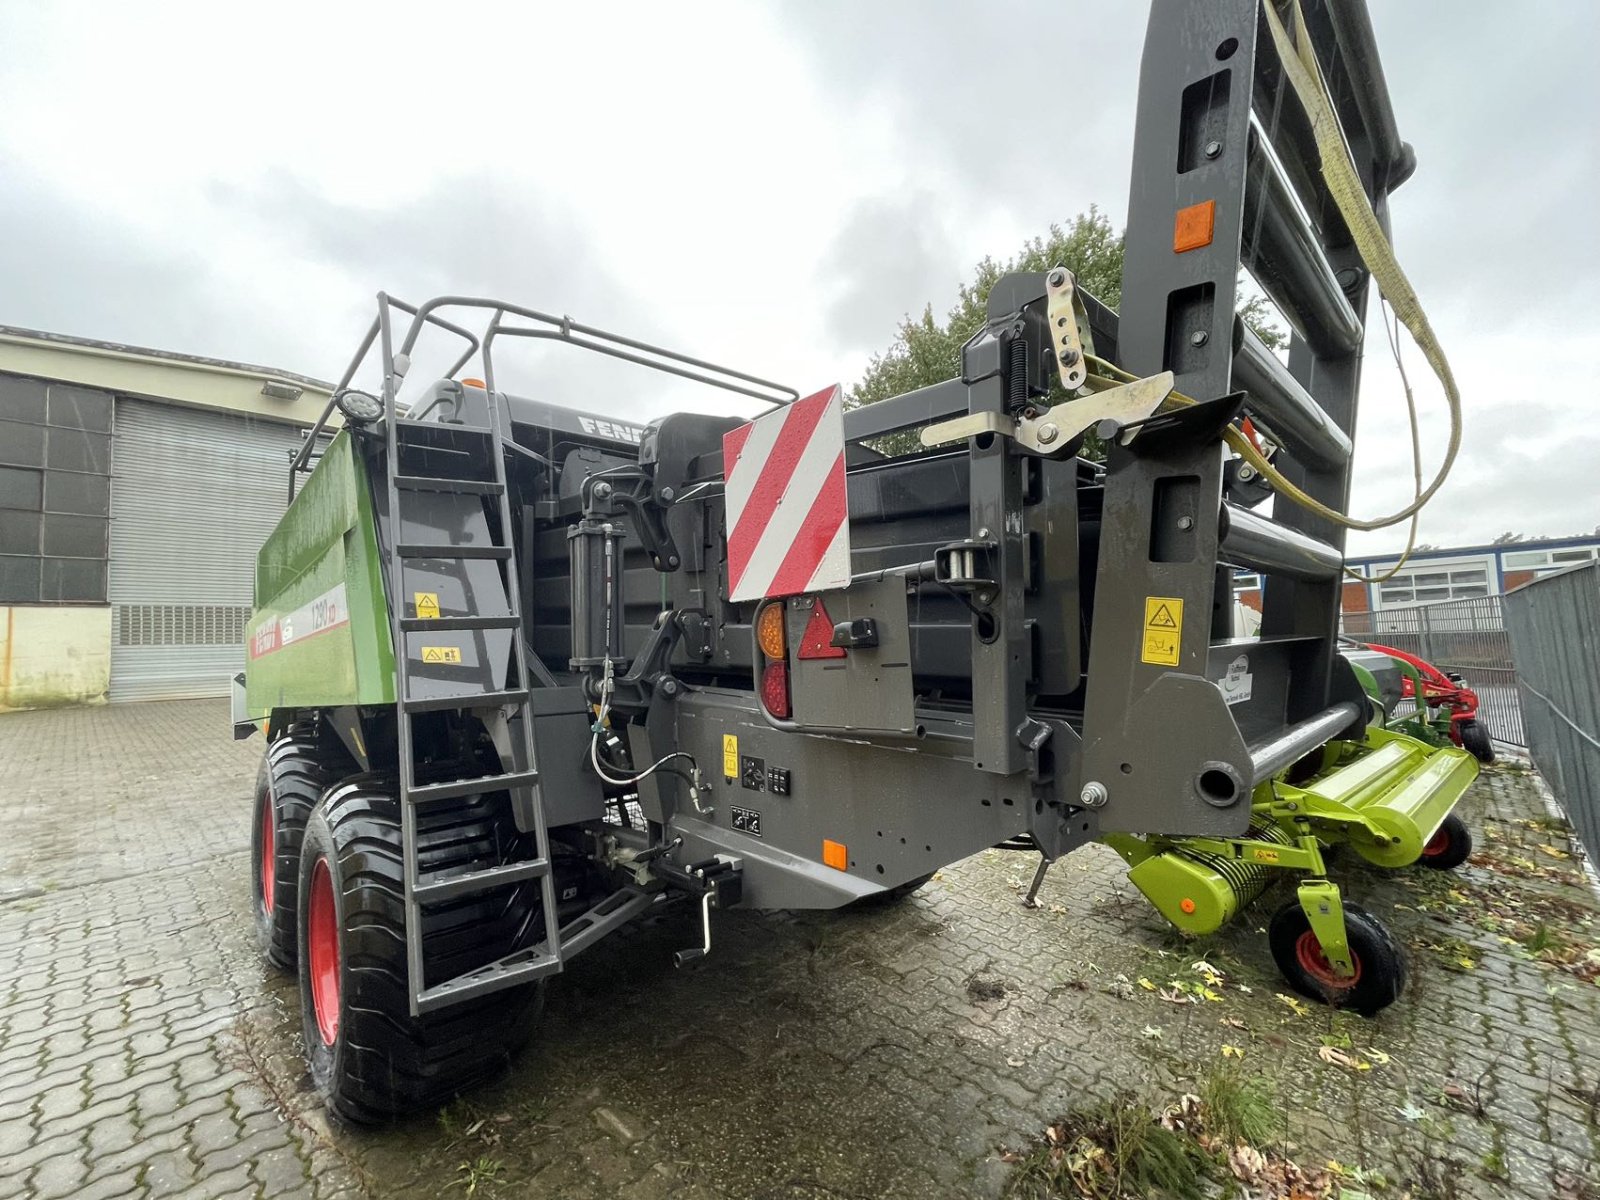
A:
[68, 265]
[889, 252]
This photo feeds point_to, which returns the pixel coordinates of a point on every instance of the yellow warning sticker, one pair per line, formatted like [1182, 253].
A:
[1163, 630]
[730, 756]
[1266, 856]
[427, 605]
[441, 654]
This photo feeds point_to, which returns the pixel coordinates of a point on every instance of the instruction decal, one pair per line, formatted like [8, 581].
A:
[730, 756]
[1163, 630]
[1236, 684]
[427, 605]
[441, 654]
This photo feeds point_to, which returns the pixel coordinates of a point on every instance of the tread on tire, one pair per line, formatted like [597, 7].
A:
[1380, 963]
[382, 1062]
[291, 779]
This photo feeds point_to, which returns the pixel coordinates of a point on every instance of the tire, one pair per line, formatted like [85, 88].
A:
[1475, 740]
[291, 780]
[1380, 963]
[370, 1059]
[1450, 846]
[893, 895]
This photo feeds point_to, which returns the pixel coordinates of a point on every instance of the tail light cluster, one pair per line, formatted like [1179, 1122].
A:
[773, 641]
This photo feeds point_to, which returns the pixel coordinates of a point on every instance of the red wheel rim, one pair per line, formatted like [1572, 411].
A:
[1437, 844]
[269, 857]
[322, 936]
[1308, 953]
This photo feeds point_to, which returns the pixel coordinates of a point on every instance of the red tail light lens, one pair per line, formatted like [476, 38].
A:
[775, 689]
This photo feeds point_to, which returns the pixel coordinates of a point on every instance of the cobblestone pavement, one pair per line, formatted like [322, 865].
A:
[145, 1051]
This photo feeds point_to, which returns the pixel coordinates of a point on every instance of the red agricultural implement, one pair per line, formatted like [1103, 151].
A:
[1447, 704]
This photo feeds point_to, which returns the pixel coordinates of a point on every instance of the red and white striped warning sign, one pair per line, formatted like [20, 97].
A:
[788, 523]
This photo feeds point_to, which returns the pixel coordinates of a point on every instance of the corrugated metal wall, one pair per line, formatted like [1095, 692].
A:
[193, 495]
[1555, 634]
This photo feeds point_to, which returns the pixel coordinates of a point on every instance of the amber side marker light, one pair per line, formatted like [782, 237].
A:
[477, 383]
[770, 633]
[835, 855]
[1194, 226]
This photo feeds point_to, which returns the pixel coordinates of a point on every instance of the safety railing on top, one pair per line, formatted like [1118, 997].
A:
[397, 362]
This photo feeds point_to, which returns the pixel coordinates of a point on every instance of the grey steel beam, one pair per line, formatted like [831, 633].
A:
[1284, 252]
[1251, 540]
[1271, 755]
[1298, 421]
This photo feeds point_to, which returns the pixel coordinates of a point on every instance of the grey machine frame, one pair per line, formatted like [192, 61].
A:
[1004, 699]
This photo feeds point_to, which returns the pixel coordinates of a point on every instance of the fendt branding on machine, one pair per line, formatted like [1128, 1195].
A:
[529, 675]
[326, 612]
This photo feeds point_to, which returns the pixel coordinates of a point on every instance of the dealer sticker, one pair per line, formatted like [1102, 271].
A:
[1235, 685]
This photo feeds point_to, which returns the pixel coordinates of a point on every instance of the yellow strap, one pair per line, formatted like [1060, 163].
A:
[1344, 185]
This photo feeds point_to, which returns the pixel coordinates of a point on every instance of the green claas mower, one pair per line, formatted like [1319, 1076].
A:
[529, 673]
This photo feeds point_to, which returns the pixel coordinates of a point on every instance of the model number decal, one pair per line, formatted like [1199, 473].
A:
[746, 820]
[327, 611]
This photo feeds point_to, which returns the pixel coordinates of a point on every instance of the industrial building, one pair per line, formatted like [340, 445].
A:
[1456, 573]
[135, 487]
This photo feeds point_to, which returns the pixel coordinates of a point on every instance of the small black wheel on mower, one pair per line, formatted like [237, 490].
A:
[1475, 740]
[1380, 964]
[370, 1059]
[1450, 846]
[288, 785]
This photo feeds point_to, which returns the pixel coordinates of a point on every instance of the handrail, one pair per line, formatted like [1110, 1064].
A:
[588, 337]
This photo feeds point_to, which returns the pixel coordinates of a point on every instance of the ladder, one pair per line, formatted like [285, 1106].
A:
[506, 704]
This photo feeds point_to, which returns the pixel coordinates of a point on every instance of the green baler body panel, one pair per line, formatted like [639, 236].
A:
[319, 635]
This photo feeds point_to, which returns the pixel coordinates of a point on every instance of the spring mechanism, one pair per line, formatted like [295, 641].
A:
[1017, 373]
[1246, 879]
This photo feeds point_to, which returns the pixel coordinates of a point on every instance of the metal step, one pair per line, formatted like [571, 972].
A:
[457, 788]
[523, 967]
[466, 700]
[430, 624]
[430, 483]
[439, 550]
[479, 881]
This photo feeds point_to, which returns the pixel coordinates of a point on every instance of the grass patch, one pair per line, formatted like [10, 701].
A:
[1212, 1141]
[1239, 1107]
[1112, 1149]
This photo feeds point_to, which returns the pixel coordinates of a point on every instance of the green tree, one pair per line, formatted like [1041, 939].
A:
[926, 350]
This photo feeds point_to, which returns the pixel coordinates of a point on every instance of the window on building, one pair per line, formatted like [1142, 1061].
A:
[55, 492]
[1543, 561]
[1434, 584]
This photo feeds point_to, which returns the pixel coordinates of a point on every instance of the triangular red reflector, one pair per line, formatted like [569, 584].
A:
[816, 641]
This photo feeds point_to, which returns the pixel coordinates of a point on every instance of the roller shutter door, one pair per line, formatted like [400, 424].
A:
[193, 495]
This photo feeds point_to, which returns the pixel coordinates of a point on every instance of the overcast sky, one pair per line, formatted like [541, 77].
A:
[768, 186]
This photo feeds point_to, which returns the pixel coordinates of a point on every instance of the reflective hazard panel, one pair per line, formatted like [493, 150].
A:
[1163, 630]
[786, 502]
[817, 640]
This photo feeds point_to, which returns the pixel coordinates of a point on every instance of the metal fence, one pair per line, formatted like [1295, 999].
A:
[1554, 623]
[1464, 636]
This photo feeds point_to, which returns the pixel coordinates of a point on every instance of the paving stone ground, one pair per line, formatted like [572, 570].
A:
[145, 1051]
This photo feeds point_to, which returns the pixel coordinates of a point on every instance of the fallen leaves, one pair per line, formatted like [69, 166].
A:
[1231, 1051]
[1151, 1031]
[1299, 1008]
[1338, 1058]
